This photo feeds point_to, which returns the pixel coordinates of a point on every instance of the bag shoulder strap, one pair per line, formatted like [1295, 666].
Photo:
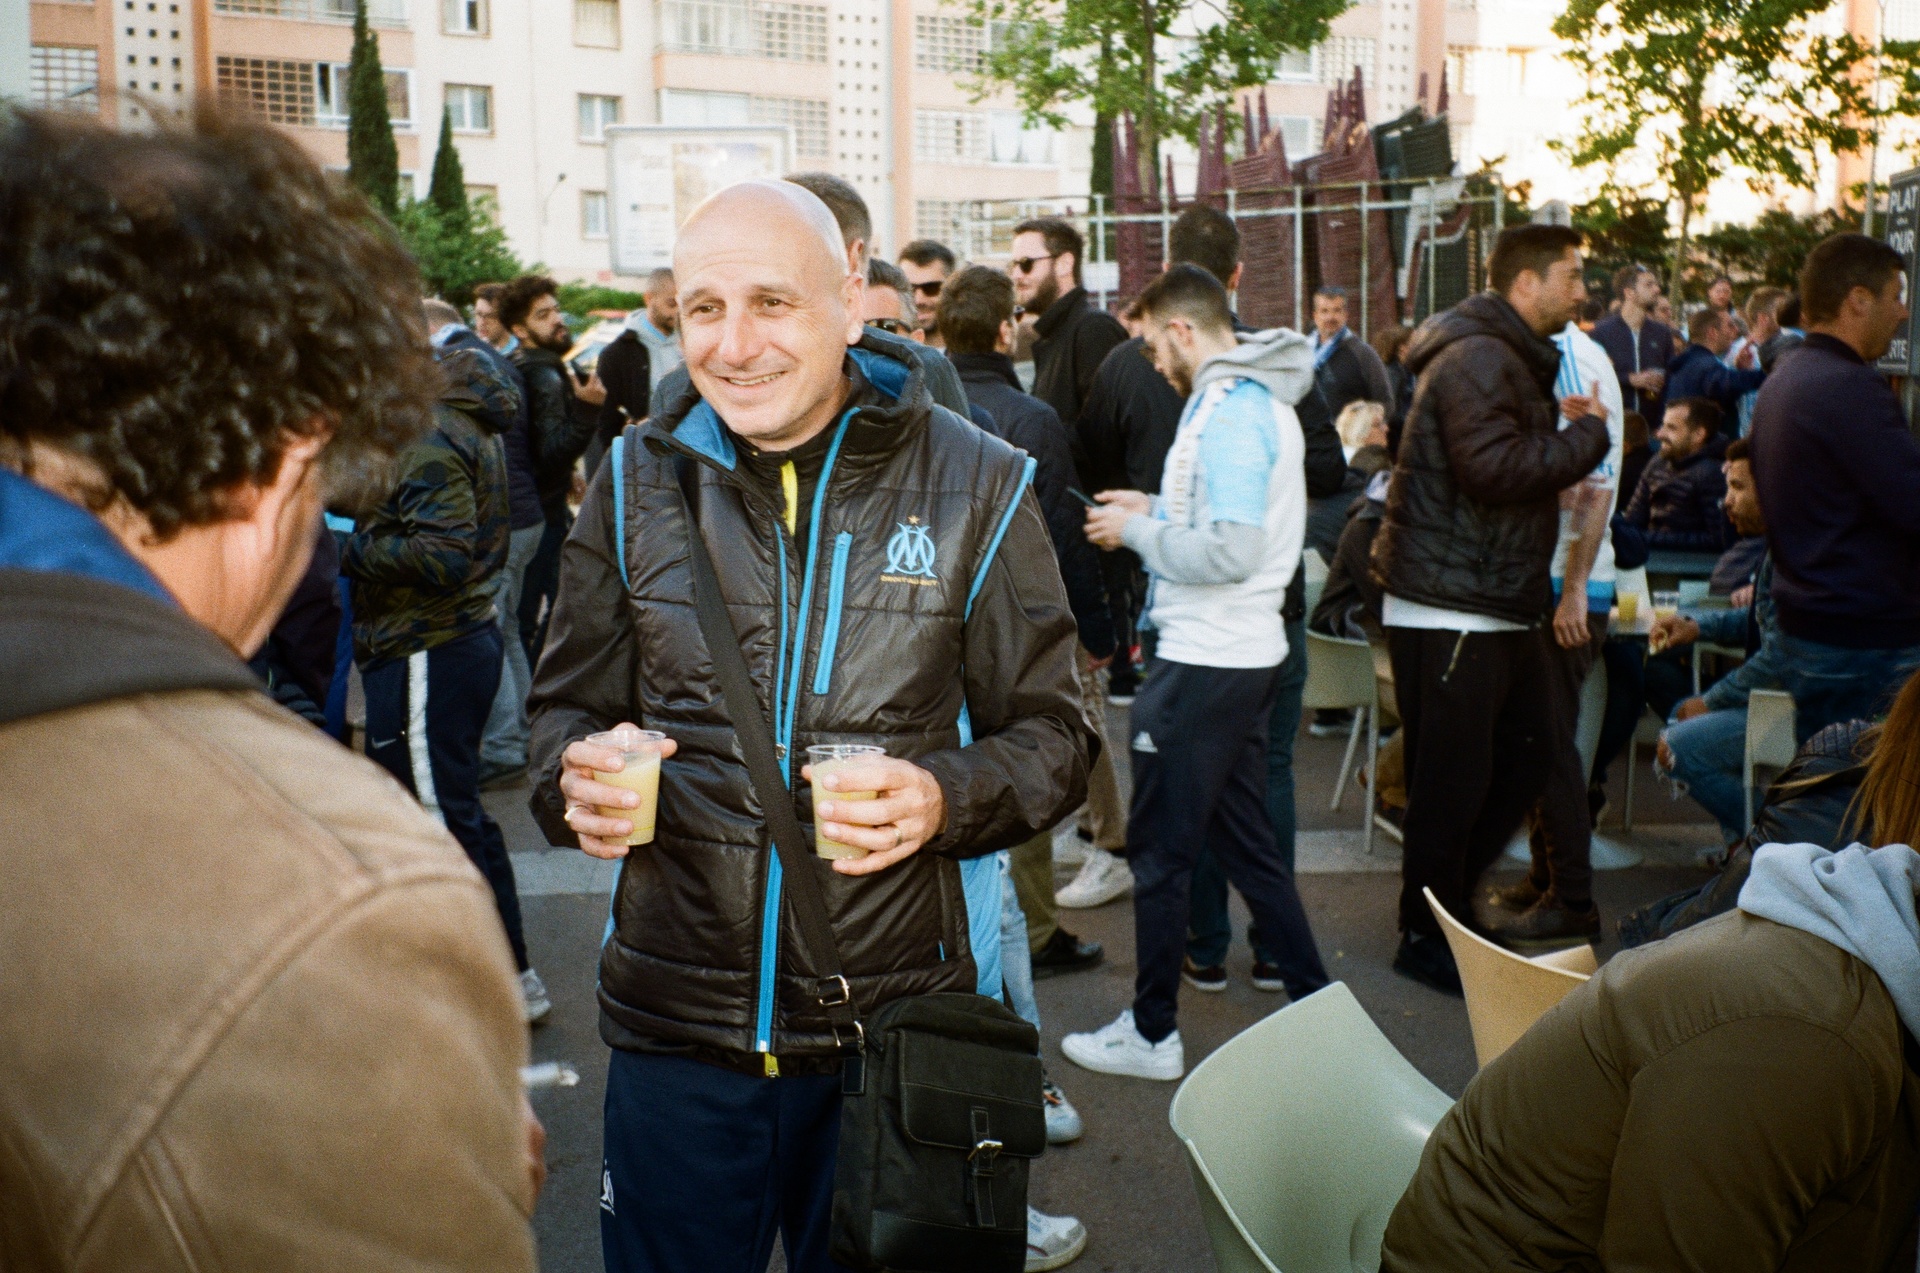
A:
[768, 776]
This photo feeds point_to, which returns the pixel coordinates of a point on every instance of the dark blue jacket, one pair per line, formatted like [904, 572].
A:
[1839, 481]
[1022, 420]
[1679, 506]
[1655, 352]
[1697, 373]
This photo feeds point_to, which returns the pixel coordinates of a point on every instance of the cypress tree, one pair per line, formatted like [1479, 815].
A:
[448, 192]
[373, 161]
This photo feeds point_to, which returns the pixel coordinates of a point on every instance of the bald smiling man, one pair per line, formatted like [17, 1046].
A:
[892, 582]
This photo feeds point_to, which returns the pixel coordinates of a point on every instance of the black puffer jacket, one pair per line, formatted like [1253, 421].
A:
[1473, 510]
[926, 584]
[561, 425]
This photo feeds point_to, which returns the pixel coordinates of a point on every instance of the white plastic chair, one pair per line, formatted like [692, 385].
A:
[1646, 733]
[1505, 992]
[1302, 1132]
[1313, 574]
[1770, 737]
[1340, 674]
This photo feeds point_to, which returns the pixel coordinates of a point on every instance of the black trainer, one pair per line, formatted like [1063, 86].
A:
[1065, 953]
[1428, 961]
[1267, 976]
[1212, 978]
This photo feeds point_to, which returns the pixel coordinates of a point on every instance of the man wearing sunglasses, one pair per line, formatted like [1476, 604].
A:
[928, 264]
[1073, 336]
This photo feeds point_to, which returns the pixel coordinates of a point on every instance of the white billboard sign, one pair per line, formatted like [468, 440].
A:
[658, 173]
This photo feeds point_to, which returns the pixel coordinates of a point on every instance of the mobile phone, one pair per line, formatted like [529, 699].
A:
[1083, 497]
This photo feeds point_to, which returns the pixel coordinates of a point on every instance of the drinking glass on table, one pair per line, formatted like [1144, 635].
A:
[830, 758]
[639, 773]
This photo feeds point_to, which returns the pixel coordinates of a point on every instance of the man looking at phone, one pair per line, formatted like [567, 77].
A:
[891, 581]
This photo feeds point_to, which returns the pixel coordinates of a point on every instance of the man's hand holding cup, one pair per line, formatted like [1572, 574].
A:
[891, 808]
[595, 808]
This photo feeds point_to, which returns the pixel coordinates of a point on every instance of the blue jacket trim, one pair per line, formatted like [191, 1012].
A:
[836, 597]
[619, 474]
[700, 430]
[1000, 533]
[888, 375]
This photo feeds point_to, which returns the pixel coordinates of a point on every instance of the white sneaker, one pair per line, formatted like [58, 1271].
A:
[1063, 1120]
[1070, 851]
[1103, 879]
[1119, 1048]
[1053, 1242]
[533, 992]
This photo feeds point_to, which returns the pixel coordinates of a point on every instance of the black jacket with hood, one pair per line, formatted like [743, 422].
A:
[917, 606]
[561, 424]
[1473, 509]
[1022, 420]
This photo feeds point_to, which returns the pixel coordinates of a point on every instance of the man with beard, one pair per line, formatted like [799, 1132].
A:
[562, 425]
[1221, 542]
[1464, 555]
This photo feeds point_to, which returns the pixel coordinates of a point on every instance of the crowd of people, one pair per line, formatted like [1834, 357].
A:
[955, 515]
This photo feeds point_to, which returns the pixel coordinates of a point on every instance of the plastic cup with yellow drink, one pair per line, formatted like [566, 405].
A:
[639, 773]
[831, 758]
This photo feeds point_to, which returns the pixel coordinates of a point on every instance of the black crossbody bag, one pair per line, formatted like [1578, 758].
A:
[942, 1112]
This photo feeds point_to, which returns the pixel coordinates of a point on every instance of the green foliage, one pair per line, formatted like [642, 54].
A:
[1770, 251]
[1622, 230]
[456, 249]
[1692, 91]
[448, 192]
[373, 161]
[1122, 56]
[580, 298]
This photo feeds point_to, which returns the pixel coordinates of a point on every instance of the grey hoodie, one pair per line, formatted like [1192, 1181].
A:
[663, 351]
[1859, 899]
[1226, 552]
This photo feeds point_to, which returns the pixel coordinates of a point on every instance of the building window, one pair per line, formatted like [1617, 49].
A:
[596, 23]
[1300, 134]
[486, 200]
[947, 46]
[1296, 67]
[1012, 142]
[1341, 53]
[596, 112]
[463, 17]
[64, 78]
[471, 106]
[330, 95]
[282, 92]
[593, 214]
[380, 13]
[807, 116]
[950, 137]
[957, 223]
[745, 28]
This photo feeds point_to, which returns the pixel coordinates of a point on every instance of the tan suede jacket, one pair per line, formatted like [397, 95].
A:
[256, 1009]
[1738, 1096]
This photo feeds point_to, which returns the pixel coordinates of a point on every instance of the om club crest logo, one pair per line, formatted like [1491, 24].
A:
[910, 554]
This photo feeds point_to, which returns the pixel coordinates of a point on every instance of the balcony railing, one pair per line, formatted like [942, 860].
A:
[380, 13]
[745, 28]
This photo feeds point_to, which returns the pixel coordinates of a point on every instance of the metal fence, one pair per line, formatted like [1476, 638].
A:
[1430, 235]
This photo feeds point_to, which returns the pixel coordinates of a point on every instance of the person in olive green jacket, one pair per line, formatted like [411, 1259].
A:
[1744, 1095]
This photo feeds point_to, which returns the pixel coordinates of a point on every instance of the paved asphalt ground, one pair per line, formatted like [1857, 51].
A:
[1127, 1178]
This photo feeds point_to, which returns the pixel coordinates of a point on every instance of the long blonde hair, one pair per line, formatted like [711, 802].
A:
[1887, 807]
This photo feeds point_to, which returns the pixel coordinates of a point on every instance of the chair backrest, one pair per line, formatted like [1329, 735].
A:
[1302, 1132]
[1313, 578]
[1770, 738]
[1339, 673]
[1506, 993]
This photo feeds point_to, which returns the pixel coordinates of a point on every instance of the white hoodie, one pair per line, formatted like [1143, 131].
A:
[663, 351]
[1227, 528]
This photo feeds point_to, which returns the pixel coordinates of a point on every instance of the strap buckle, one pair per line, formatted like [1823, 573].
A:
[859, 1045]
[988, 1149]
[841, 989]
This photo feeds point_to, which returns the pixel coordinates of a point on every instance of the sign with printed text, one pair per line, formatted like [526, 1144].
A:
[1899, 232]
[659, 173]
